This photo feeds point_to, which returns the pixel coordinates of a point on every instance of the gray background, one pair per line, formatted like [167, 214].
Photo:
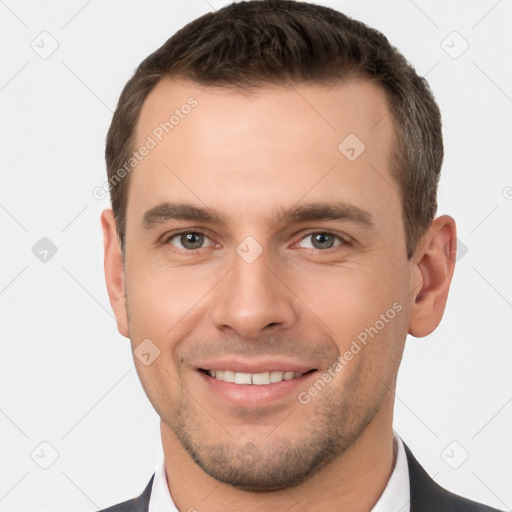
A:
[67, 377]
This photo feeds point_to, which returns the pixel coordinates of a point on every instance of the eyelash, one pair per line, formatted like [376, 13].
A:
[344, 241]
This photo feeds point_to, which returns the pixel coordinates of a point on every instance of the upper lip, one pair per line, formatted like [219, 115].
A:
[260, 366]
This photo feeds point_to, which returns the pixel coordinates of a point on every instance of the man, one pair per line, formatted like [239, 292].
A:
[273, 170]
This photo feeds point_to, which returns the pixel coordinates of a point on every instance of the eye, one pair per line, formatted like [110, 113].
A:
[323, 240]
[189, 240]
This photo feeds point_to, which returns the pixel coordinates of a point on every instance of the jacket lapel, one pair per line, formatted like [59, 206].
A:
[141, 503]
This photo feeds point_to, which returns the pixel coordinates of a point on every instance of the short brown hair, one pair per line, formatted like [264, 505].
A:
[256, 43]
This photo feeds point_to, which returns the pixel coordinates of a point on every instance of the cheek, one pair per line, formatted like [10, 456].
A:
[349, 299]
[365, 310]
[160, 297]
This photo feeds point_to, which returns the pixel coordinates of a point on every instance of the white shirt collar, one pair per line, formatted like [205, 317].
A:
[160, 500]
[395, 498]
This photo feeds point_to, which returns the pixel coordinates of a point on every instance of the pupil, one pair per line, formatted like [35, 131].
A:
[192, 240]
[324, 241]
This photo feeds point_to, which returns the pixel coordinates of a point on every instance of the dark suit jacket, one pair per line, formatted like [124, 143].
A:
[426, 495]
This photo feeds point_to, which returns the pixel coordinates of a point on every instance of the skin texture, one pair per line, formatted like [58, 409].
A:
[250, 157]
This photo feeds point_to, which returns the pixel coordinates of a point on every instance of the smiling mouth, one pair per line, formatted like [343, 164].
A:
[258, 379]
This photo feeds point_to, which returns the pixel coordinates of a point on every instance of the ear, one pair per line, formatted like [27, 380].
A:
[114, 270]
[433, 266]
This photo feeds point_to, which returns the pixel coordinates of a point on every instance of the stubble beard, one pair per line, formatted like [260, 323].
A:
[337, 417]
[273, 463]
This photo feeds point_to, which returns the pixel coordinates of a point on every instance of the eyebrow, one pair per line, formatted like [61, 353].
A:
[179, 211]
[329, 211]
[167, 211]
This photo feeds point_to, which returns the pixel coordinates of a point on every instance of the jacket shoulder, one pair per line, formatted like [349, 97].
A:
[138, 504]
[429, 496]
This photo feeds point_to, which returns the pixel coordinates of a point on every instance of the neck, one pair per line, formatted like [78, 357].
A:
[354, 481]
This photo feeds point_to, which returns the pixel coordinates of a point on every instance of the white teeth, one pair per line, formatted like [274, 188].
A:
[261, 378]
[276, 376]
[229, 376]
[258, 379]
[243, 378]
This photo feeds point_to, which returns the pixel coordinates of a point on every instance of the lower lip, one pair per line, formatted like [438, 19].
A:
[253, 395]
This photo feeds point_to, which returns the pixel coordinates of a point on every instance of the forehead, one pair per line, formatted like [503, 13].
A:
[272, 146]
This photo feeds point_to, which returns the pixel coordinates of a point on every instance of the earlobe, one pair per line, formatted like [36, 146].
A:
[432, 274]
[114, 270]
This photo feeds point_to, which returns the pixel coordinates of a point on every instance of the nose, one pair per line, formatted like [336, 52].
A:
[253, 299]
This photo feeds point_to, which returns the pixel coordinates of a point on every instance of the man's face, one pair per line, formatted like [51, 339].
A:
[256, 290]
